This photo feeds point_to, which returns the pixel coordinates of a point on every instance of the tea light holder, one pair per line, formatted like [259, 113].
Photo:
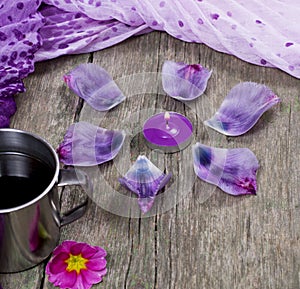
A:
[168, 131]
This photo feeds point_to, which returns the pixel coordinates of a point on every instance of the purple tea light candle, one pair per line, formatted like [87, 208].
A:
[168, 131]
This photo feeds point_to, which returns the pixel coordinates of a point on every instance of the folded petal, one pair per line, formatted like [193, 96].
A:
[85, 144]
[92, 83]
[184, 81]
[242, 108]
[232, 170]
[145, 180]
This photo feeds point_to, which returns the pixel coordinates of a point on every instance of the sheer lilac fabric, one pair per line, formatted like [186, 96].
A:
[260, 32]
[19, 40]
[71, 31]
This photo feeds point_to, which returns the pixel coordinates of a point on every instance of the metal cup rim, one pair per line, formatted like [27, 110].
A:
[55, 176]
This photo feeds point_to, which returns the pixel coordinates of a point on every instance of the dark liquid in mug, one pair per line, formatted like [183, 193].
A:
[22, 179]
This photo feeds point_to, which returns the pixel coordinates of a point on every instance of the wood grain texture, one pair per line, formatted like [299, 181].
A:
[207, 239]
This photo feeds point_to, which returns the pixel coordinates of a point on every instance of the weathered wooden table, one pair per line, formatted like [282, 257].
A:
[207, 239]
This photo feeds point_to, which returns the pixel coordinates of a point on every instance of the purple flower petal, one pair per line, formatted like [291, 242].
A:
[85, 144]
[145, 180]
[95, 86]
[184, 81]
[232, 170]
[242, 108]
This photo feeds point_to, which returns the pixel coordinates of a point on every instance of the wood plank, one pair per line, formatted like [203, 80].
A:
[208, 239]
[47, 108]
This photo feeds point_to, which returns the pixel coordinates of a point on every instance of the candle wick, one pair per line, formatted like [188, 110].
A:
[167, 118]
[167, 124]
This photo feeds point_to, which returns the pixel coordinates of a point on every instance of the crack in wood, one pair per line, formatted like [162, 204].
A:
[155, 252]
[130, 255]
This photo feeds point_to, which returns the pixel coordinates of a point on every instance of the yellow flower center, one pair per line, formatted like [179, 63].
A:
[76, 262]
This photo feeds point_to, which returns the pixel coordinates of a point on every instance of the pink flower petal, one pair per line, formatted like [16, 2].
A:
[63, 280]
[100, 252]
[82, 283]
[79, 248]
[96, 264]
[65, 246]
[91, 253]
[93, 277]
[58, 264]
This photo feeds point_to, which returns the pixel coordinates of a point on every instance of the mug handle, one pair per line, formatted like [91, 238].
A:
[70, 177]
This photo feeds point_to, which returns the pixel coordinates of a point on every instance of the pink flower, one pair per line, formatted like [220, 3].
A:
[76, 265]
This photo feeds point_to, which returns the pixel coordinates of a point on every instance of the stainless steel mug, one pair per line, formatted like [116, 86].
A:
[30, 216]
